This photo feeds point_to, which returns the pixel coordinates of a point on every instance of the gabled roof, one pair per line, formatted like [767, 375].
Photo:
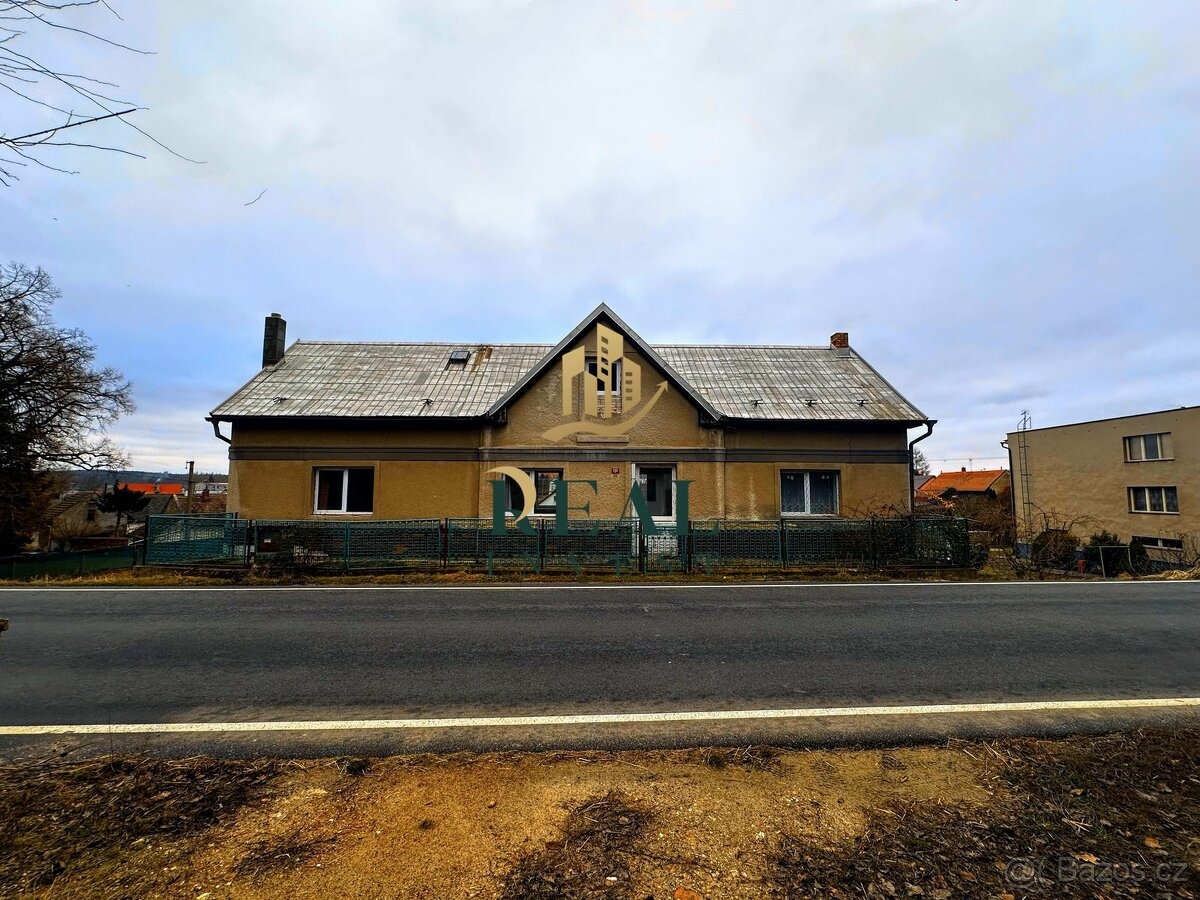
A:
[602, 313]
[963, 482]
[343, 379]
[66, 503]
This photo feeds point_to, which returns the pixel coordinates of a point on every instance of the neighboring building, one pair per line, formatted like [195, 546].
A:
[920, 479]
[158, 505]
[71, 516]
[395, 430]
[981, 483]
[156, 487]
[1137, 476]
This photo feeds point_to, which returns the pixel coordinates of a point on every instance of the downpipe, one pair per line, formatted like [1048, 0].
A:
[912, 478]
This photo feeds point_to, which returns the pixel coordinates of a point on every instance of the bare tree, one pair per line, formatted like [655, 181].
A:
[74, 99]
[54, 403]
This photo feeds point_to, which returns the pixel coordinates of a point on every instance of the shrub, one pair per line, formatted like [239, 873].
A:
[1054, 548]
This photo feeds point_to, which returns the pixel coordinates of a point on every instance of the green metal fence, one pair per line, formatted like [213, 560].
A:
[307, 544]
[197, 540]
[613, 545]
[609, 545]
[67, 564]
[471, 543]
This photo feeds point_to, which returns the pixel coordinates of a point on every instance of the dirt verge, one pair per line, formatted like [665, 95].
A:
[1016, 818]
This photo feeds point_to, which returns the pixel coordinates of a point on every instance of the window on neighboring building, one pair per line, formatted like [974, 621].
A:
[1147, 447]
[543, 480]
[808, 493]
[91, 515]
[1153, 500]
[1160, 543]
[344, 491]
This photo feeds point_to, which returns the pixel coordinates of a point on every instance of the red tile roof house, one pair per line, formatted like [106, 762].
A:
[156, 487]
[986, 482]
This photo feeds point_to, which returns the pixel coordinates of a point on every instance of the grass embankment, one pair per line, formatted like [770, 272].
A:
[998, 568]
[1110, 816]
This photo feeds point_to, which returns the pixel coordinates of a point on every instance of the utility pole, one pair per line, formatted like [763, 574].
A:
[187, 505]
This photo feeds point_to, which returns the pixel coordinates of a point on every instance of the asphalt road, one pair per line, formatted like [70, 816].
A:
[133, 655]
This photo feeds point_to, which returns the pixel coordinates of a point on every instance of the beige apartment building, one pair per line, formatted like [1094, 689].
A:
[393, 430]
[1137, 476]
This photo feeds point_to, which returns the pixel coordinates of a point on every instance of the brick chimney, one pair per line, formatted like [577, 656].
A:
[840, 342]
[274, 337]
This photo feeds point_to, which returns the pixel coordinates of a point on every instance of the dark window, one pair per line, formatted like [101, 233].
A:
[543, 480]
[803, 493]
[1147, 447]
[360, 490]
[459, 357]
[1154, 499]
[91, 515]
[345, 491]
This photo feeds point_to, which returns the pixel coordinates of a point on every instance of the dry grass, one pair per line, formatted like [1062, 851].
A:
[589, 859]
[151, 577]
[115, 821]
[1126, 802]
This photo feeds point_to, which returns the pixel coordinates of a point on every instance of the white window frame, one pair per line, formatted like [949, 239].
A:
[1163, 488]
[532, 473]
[637, 478]
[1156, 543]
[594, 362]
[1130, 441]
[345, 470]
[807, 514]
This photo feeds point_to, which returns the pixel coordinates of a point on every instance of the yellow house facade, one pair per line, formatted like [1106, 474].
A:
[390, 430]
[1136, 476]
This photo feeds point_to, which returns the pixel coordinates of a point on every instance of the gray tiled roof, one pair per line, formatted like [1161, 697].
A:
[352, 379]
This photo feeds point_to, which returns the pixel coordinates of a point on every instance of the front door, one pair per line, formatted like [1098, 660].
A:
[658, 487]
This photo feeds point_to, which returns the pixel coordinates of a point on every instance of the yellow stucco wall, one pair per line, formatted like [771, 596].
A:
[272, 468]
[1079, 471]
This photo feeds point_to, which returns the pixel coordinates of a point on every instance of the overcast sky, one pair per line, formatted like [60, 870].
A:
[998, 200]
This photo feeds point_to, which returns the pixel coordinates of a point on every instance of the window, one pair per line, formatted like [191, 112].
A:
[1160, 543]
[808, 493]
[543, 480]
[91, 515]
[344, 491]
[1153, 500]
[1147, 447]
[593, 367]
[458, 358]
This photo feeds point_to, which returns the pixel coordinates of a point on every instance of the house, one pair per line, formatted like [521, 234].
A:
[158, 505]
[1137, 476]
[153, 487]
[74, 521]
[391, 430]
[979, 483]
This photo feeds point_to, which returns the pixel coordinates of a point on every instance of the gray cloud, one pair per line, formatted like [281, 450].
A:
[995, 199]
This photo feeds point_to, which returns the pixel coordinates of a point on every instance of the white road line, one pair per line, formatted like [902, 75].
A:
[645, 585]
[605, 718]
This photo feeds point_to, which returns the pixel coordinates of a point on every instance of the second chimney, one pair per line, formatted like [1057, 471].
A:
[274, 336]
[840, 341]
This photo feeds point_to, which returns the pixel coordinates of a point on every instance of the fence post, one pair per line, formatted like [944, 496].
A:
[688, 547]
[346, 548]
[444, 540]
[641, 548]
